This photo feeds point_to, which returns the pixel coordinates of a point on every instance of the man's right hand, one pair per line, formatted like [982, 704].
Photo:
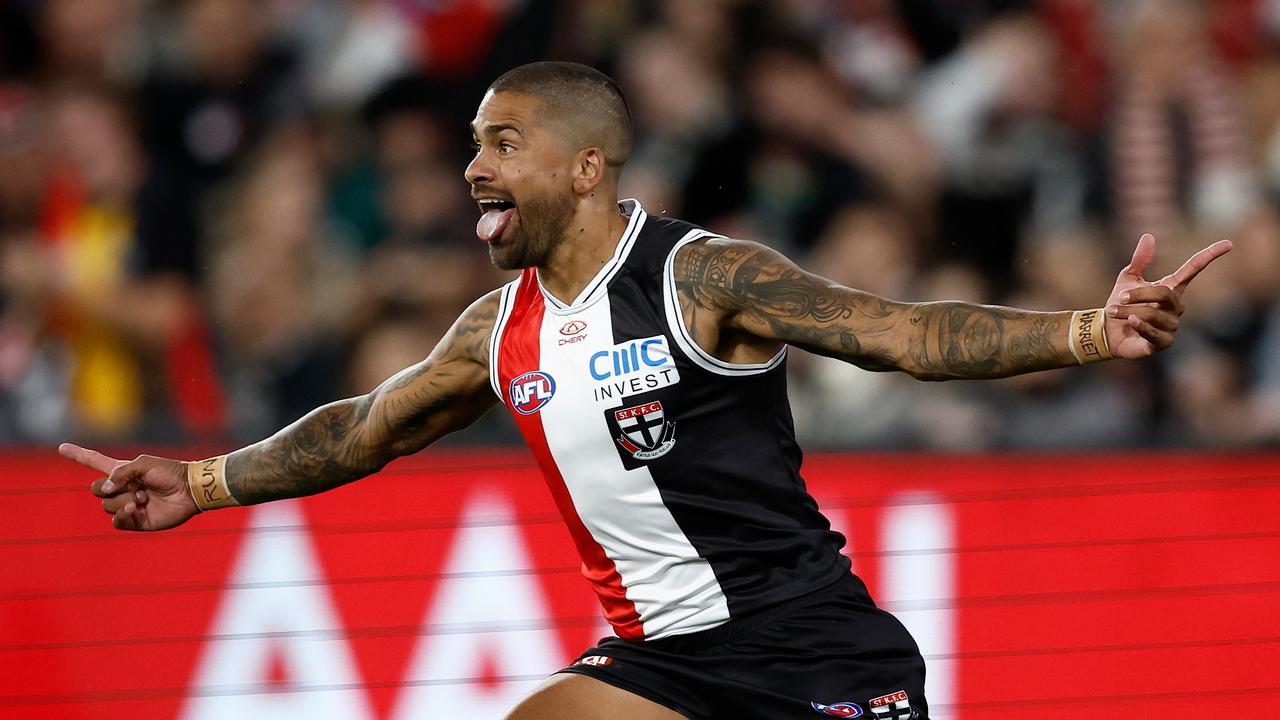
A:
[147, 493]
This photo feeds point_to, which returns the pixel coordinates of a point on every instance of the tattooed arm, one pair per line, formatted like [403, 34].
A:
[349, 439]
[741, 300]
[332, 445]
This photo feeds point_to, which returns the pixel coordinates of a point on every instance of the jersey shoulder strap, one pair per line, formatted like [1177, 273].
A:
[659, 237]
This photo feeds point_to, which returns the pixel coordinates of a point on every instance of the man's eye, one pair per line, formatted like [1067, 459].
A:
[505, 147]
[475, 147]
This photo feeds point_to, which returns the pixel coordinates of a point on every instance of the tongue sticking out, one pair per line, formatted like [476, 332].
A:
[493, 223]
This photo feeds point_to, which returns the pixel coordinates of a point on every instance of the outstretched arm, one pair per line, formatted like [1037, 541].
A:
[349, 439]
[741, 300]
[330, 446]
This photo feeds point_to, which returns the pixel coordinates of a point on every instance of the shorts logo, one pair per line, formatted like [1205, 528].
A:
[841, 709]
[531, 391]
[596, 660]
[894, 706]
[646, 433]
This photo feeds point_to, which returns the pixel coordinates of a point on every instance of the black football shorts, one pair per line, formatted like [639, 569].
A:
[830, 653]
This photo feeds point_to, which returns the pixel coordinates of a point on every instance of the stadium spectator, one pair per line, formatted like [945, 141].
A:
[969, 149]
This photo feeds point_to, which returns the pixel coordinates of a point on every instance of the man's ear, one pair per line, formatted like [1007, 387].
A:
[590, 170]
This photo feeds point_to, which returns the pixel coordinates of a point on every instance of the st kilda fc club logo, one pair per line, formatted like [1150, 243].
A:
[645, 431]
[894, 706]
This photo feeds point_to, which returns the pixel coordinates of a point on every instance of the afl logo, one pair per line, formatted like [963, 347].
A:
[840, 709]
[531, 391]
[573, 327]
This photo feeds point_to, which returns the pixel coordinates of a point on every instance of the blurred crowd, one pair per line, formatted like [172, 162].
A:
[218, 214]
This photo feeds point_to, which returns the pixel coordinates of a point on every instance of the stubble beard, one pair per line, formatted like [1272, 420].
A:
[543, 222]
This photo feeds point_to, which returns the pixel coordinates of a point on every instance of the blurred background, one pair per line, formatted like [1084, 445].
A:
[218, 214]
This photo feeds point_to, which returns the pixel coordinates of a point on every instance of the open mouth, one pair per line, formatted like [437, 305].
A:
[490, 204]
[496, 214]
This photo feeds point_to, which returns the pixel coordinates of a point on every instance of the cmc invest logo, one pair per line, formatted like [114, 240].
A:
[531, 391]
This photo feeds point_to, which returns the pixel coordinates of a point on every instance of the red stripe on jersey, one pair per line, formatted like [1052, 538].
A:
[519, 353]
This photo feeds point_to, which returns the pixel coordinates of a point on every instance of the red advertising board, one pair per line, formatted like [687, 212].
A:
[1039, 587]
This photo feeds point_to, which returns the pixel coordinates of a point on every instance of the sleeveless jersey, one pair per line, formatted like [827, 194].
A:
[677, 473]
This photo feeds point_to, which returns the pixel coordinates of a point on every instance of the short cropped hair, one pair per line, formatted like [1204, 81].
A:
[586, 105]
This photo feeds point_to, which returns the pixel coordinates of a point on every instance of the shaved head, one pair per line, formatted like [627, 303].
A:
[581, 105]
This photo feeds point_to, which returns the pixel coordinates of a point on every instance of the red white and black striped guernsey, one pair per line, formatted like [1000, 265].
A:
[677, 473]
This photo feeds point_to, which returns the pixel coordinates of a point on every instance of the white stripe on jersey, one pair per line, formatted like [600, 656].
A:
[675, 322]
[672, 587]
[506, 301]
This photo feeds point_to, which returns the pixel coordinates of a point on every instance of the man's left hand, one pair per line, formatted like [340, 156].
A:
[1142, 316]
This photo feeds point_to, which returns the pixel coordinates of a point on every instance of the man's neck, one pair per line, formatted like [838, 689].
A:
[589, 243]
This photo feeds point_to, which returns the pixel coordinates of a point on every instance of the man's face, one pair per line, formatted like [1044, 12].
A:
[522, 180]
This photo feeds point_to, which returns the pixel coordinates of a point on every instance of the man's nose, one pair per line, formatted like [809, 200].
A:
[478, 171]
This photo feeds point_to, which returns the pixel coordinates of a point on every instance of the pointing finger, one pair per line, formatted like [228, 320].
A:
[1192, 267]
[87, 457]
[1142, 256]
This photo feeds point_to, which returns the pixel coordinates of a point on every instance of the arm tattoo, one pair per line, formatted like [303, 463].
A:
[349, 439]
[731, 288]
[960, 340]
